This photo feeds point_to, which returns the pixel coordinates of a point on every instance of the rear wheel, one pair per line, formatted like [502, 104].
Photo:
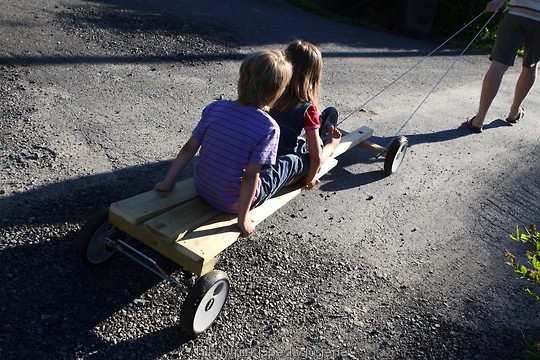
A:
[395, 154]
[91, 246]
[204, 302]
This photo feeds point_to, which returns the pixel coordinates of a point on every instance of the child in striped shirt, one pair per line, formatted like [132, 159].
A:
[237, 139]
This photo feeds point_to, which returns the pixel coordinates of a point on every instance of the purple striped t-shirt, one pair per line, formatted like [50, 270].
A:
[231, 136]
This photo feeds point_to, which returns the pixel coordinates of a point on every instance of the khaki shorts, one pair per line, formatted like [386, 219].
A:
[513, 32]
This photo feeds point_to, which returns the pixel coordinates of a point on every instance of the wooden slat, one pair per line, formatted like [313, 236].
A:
[326, 167]
[196, 249]
[173, 251]
[142, 207]
[352, 139]
[374, 148]
[175, 223]
[209, 240]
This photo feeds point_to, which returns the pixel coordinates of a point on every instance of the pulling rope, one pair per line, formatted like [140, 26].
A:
[447, 71]
[361, 108]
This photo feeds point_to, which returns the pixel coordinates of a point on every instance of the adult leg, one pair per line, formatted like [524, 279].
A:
[525, 82]
[490, 88]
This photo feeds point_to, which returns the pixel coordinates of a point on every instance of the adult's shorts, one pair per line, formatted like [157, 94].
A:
[513, 32]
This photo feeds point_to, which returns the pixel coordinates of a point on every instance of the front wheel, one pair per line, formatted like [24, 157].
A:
[204, 302]
[91, 246]
[395, 154]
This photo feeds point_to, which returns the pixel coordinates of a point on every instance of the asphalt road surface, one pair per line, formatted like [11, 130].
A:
[98, 96]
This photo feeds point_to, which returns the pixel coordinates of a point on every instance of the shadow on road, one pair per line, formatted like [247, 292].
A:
[447, 135]
[70, 300]
[363, 156]
[168, 30]
[71, 303]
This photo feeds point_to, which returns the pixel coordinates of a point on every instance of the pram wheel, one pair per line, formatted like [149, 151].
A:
[90, 246]
[204, 302]
[395, 154]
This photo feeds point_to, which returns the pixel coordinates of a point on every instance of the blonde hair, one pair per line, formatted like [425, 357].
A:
[263, 78]
[305, 84]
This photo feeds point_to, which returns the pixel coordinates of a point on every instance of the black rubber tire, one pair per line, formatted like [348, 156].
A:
[329, 116]
[204, 302]
[90, 246]
[395, 154]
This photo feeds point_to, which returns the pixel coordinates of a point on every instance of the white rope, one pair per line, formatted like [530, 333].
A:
[447, 71]
[361, 107]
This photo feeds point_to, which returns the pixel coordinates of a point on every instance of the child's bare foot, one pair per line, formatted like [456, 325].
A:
[332, 142]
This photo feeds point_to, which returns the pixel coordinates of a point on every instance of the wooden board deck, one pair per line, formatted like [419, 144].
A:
[142, 207]
[175, 223]
[183, 227]
[209, 240]
[194, 241]
[352, 139]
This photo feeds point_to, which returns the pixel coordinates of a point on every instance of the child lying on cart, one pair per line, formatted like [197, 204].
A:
[238, 167]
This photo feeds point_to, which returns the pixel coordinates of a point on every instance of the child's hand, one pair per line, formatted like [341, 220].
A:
[311, 184]
[246, 227]
[163, 186]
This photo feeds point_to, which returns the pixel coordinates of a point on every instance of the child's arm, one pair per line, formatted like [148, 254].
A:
[315, 161]
[250, 180]
[183, 158]
[315, 157]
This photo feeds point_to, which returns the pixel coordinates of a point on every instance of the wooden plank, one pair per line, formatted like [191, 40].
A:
[209, 240]
[352, 139]
[196, 250]
[174, 252]
[142, 207]
[374, 148]
[326, 167]
[175, 223]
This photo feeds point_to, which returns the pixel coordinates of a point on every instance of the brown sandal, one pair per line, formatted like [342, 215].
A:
[473, 128]
[521, 114]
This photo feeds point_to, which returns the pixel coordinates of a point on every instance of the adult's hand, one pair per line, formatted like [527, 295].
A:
[494, 5]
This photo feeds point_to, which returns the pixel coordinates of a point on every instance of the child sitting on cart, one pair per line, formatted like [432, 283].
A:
[296, 111]
[238, 167]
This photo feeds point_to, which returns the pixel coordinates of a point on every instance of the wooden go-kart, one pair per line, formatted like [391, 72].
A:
[186, 229]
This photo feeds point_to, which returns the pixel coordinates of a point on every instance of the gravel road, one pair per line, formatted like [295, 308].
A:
[97, 96]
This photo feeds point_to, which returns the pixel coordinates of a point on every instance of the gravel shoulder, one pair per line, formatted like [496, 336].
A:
[97, 97]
